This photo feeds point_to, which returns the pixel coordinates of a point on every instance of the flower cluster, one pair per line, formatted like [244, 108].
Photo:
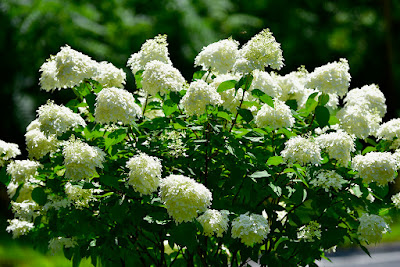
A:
[369, 98]
[109, 76]
[144, 173]
[377, 167]
[389, 130]
[159, 77]
[338, 145]
[328, 179]
[175, 145]
[39, 144]
[23, 170]
[310, 231]
[184, 197]
[302, 151]
[198, 96]
[214, 222]
[275, 117]
[261, 51]
[19, 227]
[332, 78]
[56, 119]
[152, 49]
[8, 151]
[371, 228]
[219, 57]
[250, 228]
[81, 160]
[116, 105]
[78, 196]
[268, 84]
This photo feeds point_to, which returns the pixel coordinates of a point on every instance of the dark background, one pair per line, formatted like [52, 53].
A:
[312, 33]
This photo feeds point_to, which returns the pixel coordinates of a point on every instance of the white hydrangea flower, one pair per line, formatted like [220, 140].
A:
[159, 77]
[389, 130]
[279, 116]
[338, 145]
[152, 49]
[261, 51]
[26, 210]
[66, 69]
[214, 222]
[302, 151]
[109, 76]
[310, 231]
[175, 143]
[56, 202]
[23, 170]
[183, 197]
[144, 173]
[56, 119]
[230, 98]
[396, 200]
[198, 96]
[250, 228]
[8, 151]
[48, 79]
[78, 196]
[268, 84]
[25, 193]
[332, 78]
[219, 56]
[369, 97]
[377, 167]
[371, 228]
[81, 160]
[19, 227]
[328, 179]
[116, 105]
[39, 145]
[293, 86]
[57, 244]
[358, 121]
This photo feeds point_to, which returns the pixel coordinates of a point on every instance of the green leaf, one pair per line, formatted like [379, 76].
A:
[175, 97]
[260, 174]
[263, 97]
[368, 149]
[323, 99]
[322, 116]
[4, 177]
[244, 82]
[169, 107]
[108, 180]
[115, 138]
[226, 85]
[246, 114]
[185, 234]
[91, 100]
[292, 104]
[276, 189]
[138, 79]
[224, 115]
[198, 74]
[275, 160]
[311, 102]
[39, 196]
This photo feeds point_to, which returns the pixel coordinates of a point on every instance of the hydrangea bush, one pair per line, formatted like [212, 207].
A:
[238, 163]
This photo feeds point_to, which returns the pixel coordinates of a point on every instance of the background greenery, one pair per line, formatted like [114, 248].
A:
[311, 33]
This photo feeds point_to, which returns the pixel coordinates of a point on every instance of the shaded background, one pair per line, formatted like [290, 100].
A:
[312, 33]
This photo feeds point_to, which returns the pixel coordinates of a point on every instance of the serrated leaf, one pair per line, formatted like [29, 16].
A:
[311, 102]
[263, 97]
[39, 196]
[91, 100]
[226, 85]
[275, 160]
[322, 116]
[138, 79]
